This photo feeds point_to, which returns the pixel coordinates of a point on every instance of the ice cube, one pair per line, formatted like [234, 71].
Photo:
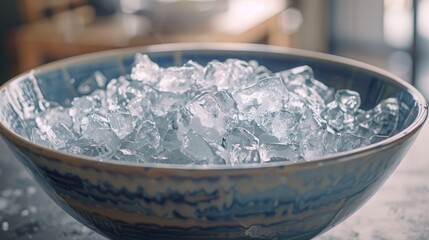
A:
[176, 80]
[88, 147]
[80, 108]
[147, 135]
[337, 118]
[240, 73]
[96, 81]
[49, 117]
[216, 73]
[244, 154]
[272, 152]
[198, 71]
[40, 137]
[144, 69]
[128, 155]
[268, 95]
[59, 134]
[259, 72]
[304, 75]
[99, 101]
[118, 93]
[308, 123]
[221, 156]
[97, 128]
[280, 124]
[348, 100]
[296, 105]
[196, 148]
[307, 95]
[383, 119]
[348, 141]
[311, 145]
[140, 107]
[121, 123]
[242, 146]
[204, 115]
[170, 141]
[226, 101]
[299, 74]
[267, 138]
[327, 93]
[165, 102]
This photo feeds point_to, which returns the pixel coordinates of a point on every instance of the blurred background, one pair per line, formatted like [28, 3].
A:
[391, 34]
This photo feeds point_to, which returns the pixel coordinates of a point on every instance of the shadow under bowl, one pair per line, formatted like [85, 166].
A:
[123, 200]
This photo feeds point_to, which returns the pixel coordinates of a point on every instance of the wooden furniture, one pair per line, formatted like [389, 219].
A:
[77, 31]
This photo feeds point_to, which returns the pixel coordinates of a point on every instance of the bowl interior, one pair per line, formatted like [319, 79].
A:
[58, 81]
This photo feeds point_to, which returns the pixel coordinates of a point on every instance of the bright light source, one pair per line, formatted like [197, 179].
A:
[423, 18]
[291, 20]
[398, 23]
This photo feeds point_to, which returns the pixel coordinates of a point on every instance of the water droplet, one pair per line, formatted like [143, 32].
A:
[25, 213]
[31, 190]
[5, 226]
[3, 203]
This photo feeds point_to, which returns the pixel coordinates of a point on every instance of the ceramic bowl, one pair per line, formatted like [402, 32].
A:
[123, 200]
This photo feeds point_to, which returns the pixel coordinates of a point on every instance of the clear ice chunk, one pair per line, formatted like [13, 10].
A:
[140, 107]
[128, 155]
[40, 137]
[80, 108]
[348, 100]
[170, 141]
[299, 74]
[311, 145]
[196, 148]
[99, 101]
[240, 73]
[339, 119]
[49, 117]
[121, 123]
[118, 93]
[307, 95]
[232, 112]
[166, 102]
[144, 69]
[97, 128]
[88, 147]
[273, 152]
[147, 135]
[308, 123]
[268, 95]
[259, 72]
[348, 141]
[59, 134]
[383, 119]
[280, 124]
[242, 146]
[216, 73]
[176, 80]
[205, 116]
[304, 75]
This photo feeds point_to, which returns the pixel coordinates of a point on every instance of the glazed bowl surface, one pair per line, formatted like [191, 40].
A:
[123, 200]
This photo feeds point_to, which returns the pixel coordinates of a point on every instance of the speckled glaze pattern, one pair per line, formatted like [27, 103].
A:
[277, 201]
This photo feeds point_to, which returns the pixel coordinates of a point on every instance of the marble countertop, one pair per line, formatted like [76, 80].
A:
[399, 210]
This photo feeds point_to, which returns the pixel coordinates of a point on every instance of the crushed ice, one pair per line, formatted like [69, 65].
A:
[232, 112]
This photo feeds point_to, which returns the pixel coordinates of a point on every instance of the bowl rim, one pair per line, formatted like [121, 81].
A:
[177, 49]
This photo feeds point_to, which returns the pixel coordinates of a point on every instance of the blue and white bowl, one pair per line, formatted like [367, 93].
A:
[122, 200]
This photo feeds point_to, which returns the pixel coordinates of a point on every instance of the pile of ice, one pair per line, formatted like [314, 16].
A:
[232, 112]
